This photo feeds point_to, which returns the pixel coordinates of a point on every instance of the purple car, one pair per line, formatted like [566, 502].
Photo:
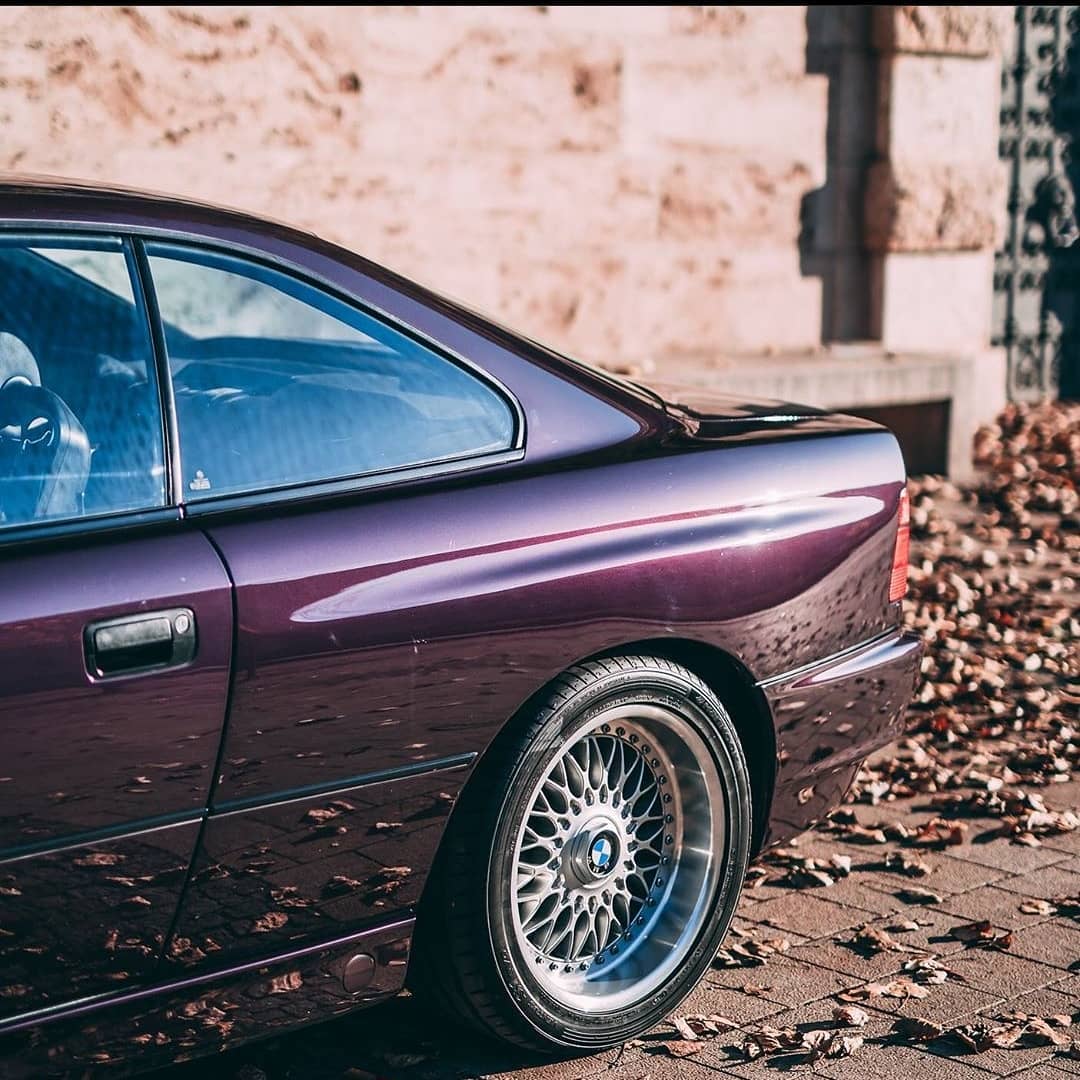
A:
[349, 638]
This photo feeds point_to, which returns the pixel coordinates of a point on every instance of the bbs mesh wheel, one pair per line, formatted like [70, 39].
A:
[594, 862]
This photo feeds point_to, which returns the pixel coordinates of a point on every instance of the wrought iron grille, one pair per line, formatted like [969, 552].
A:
[1037, 269]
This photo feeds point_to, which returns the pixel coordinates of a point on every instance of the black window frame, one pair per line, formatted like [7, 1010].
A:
[108, 238]
[265, 270]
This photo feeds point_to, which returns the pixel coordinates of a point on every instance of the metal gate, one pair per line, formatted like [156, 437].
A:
[1037, 270]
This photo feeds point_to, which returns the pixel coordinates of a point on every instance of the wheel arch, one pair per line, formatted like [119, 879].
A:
[732, 683]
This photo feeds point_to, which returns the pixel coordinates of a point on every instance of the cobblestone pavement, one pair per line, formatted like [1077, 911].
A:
[1038, 975]
[953, 877]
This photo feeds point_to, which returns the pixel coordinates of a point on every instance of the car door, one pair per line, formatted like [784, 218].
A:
[115, 632]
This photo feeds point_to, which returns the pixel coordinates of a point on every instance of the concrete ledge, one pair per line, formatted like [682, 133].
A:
[850, 377]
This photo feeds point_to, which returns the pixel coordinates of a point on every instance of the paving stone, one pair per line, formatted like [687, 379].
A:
[809, 916]
[837, 954]
[996, 1062]
[949, 875]
[889, 1060]
[728, 999]
[1000, 906]
[1069, 842]
[1057, 1067]
[945, 1004]
[1056, 942]
[1017, 858]
[1049, 881]
[791, 982]
[817, 1016]
[1001, 973]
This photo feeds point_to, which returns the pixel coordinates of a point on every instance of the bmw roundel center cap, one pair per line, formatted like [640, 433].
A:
[602, 852]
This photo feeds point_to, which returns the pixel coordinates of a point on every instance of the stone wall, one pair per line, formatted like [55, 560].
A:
[627, 183]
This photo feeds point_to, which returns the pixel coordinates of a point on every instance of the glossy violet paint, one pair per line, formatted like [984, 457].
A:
[382, 639]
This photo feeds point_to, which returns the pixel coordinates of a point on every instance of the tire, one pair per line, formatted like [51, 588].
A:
[593, 863]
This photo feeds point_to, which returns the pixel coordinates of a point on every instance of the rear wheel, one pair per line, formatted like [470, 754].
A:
[594, 862]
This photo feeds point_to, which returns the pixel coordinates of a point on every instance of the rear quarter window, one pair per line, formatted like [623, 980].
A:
[277, 383]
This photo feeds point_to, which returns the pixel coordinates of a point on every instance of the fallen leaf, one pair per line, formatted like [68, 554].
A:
[916, 1029]
[1038, 907]
[272, 920]
[283, 984]
[918, 896]
[902, 987]
[99, 858]
[851, 1016]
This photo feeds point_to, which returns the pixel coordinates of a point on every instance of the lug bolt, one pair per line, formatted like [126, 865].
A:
[605, 728]
[645, 748]
[620, 731]
[669, 839]
[599, 959]
[667, 798]
[668, 819]
[633, 738]
[615, 948]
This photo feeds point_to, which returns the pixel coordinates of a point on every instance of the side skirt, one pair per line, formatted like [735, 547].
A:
[159, 1025]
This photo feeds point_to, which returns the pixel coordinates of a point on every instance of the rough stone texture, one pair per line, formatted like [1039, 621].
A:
[938, 108]
[930, 28]
[936, 301]
[935, 207]
[548, 164]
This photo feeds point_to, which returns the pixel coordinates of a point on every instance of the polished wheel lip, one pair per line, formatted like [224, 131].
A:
[640, 953]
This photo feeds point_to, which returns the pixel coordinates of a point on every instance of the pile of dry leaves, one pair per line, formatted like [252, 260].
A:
[994, 593]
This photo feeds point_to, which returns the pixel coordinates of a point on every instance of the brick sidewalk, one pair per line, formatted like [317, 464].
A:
[1039, 974]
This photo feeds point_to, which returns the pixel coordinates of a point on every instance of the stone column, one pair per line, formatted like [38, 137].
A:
[935, 196]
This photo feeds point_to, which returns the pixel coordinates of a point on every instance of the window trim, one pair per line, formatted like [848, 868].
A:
[95, 238]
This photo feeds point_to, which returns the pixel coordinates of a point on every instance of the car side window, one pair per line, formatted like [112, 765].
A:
[277, 383]
[80, 420]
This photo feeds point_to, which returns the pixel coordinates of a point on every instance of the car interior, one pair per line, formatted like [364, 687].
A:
[79, 430]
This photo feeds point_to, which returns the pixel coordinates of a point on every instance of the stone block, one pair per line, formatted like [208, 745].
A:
[752, 201]
[967, 30]
[937, 302]
[443, 85]
[939, 108]
[747, 98]
[934, 207]
[692, 298]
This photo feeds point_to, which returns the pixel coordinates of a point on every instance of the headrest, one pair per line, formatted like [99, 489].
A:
[17, 363]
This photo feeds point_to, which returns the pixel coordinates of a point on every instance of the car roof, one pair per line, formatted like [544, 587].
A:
[42, 186]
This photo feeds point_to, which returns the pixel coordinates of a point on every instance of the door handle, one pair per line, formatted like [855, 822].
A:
[149, 641]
